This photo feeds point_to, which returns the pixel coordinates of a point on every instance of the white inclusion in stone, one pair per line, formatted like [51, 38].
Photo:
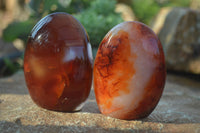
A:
[37, 67]
[125, 26]
[144, 65]
[150, 46]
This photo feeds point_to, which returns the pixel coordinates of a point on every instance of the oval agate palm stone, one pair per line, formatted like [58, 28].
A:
[58, 63]
[129, 71]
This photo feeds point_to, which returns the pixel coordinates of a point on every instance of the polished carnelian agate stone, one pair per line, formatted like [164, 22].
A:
[58, 63]
[129, 71]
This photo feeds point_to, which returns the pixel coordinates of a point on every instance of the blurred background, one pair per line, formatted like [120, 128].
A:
[176, 22]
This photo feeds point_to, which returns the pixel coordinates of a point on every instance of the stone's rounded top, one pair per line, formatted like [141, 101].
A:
[60, 27]
[133, 27]
[135, 30]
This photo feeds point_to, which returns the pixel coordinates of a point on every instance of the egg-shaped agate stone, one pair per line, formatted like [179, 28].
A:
[58, 63]
[129, 71]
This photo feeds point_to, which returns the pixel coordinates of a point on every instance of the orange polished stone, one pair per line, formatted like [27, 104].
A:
[129, 71]
[58, 63]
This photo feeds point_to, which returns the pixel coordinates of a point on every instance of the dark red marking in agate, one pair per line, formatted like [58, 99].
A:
[129, 71]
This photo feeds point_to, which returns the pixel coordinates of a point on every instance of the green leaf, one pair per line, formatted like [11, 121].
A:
[18, 30]
[104, 7]
[10, 65]
[145, 10]
[97, 25]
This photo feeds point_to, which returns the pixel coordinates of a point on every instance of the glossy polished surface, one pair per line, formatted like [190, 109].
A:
[58, 63]
[129, 71]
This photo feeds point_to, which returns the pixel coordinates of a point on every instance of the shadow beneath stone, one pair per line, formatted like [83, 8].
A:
[190, 76]
[91, 107]
[190, 81]
[13, 127]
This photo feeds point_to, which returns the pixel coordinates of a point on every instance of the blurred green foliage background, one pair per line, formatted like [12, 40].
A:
[97, 16]
[145, 10]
